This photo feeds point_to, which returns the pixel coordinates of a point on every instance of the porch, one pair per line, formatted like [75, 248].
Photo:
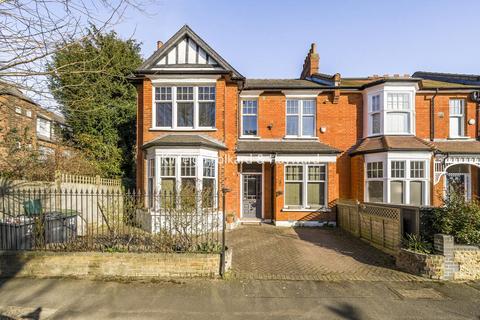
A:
[288, 182]
[456, 163]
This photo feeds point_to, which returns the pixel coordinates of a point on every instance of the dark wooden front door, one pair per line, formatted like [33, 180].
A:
[252, 196]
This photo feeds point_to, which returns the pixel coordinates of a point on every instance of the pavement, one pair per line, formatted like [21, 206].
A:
[343, 278]
[267, 252]
[23, 298]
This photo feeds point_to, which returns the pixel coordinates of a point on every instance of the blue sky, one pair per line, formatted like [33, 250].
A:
[269, 39]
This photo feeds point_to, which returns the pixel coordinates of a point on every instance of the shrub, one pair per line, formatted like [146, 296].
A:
[458, 217]
[417, 244]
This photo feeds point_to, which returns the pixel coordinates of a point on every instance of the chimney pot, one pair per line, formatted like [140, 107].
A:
[159, 44]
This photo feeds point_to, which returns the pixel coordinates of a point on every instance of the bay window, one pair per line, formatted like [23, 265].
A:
[305, 186]
[184, 107]
[300, 118]
[406, 182]
[391, 110]
[457, 118]
[249, 117]
[183, 179]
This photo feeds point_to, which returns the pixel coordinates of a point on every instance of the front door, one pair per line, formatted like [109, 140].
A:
[252, 196]
[459, 182]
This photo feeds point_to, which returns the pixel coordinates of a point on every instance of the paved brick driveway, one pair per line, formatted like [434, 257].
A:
[268, 252]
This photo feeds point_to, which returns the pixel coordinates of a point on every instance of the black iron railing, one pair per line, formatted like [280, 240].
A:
[112, 221]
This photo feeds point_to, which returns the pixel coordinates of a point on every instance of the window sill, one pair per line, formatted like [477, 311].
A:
[250, 137]
[299, 138]
[391, 134]
[460, 138]
[323, 209]
[183, 129]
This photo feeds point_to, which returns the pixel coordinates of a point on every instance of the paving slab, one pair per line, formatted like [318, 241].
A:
[232, 299]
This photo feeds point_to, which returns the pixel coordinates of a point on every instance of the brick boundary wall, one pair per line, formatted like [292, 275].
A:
[99, 265]
[451, 261]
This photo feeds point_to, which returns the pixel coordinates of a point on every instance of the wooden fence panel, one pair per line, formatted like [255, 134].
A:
[377, 224]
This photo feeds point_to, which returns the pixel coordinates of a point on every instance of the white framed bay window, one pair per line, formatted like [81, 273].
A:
[305, 186]
[397, 178]
[175, 174]
[185, 107]
[390, 111]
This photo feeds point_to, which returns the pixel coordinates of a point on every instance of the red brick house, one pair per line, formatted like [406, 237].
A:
[289, 148]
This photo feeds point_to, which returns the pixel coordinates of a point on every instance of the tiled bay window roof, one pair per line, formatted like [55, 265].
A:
[184, 140]
[391, 143]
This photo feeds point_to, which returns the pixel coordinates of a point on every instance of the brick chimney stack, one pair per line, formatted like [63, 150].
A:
[312, 62]
[159, 44]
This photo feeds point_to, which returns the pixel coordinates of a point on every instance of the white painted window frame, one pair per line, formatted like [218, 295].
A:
[196, 106]
[383, 91]
[408, 158]
[460, 116]
[242, 114]
[372, 112]
[300, 115]
[199, 154]
[367, 179]
[304, 205]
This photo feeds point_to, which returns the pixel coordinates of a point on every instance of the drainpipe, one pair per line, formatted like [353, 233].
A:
[272, 178]
[432, 116]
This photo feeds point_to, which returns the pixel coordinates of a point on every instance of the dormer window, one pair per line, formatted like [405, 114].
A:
[391, 112]
[186, 107]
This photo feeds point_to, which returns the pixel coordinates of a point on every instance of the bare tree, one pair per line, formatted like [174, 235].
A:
[31, 31]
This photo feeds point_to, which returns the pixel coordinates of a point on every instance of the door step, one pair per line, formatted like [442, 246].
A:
[250, 222]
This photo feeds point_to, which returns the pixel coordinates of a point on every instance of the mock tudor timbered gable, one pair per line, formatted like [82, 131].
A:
[187, 53]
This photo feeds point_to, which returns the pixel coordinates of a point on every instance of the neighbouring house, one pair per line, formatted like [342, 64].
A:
[287, 149]
[19, 111]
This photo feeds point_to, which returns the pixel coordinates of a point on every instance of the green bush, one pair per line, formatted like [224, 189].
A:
[417, 244]
[459, 218]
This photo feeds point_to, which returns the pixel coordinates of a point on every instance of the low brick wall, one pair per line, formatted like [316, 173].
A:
[452, 261]
[426, 265]
[97, 265]
[468, 260]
